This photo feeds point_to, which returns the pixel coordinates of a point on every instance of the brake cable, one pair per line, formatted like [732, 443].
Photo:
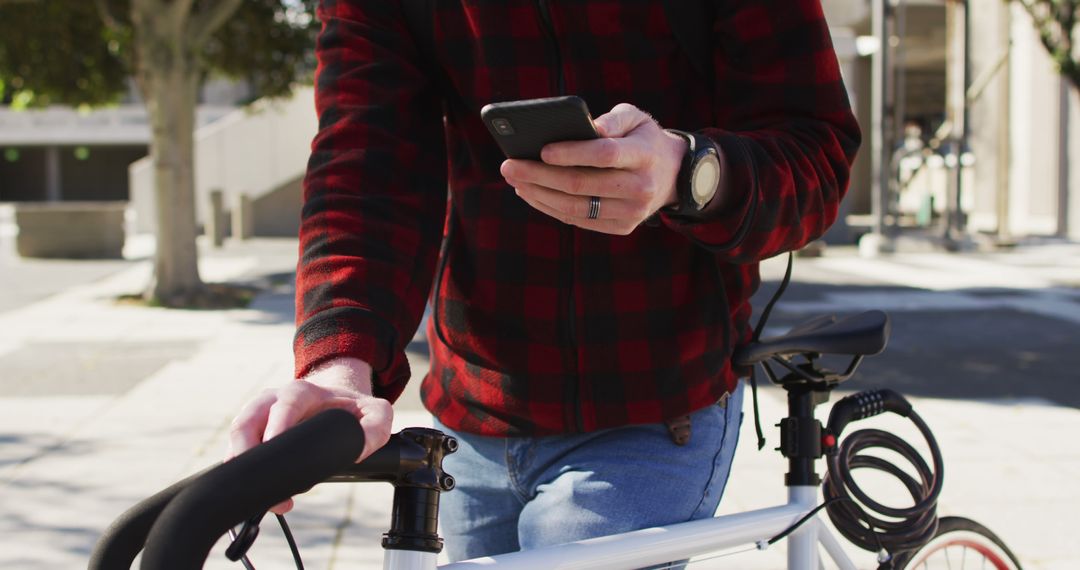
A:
[764, 318]
[249, 531]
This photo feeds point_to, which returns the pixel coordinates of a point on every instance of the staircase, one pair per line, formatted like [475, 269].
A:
[260, 151]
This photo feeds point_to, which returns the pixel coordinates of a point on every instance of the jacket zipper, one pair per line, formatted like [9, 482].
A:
[568, 243]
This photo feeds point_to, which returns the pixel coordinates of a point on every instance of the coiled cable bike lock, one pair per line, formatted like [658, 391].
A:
[895, 529]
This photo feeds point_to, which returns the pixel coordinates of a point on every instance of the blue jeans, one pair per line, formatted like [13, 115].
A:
[523, 493]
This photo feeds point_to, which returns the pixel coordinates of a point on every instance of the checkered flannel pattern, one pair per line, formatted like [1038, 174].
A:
[541, 328]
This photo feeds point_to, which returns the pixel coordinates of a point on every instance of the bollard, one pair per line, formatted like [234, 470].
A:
[215, 220]
[243, 221]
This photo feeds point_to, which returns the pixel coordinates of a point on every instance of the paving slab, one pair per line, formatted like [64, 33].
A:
[72, 458]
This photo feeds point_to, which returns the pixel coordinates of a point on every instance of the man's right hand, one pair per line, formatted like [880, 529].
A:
[340, 383]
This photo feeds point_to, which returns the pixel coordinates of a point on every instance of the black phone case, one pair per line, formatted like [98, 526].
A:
[537, 122]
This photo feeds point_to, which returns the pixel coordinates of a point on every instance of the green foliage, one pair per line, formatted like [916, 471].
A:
[58, 52]
[268, 42]
[64, 52]
[1056, 24]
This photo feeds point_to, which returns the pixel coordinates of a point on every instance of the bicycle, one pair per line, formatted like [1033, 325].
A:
[179, 525]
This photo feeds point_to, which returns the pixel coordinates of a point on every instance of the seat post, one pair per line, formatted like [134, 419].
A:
[801, 432]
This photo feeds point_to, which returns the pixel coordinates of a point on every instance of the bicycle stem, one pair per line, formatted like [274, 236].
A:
[412, 462]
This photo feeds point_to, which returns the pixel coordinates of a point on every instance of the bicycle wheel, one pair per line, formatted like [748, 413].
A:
[958, 544]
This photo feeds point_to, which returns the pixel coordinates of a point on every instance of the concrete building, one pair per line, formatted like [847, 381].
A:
[61, 153]
[1025, 130]
[1017, 180]
[1023, 119]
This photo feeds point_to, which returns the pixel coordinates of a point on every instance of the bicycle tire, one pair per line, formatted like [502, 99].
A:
[957, 542]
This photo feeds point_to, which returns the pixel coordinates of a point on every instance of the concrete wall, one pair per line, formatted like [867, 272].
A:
[1035, 120]
[1072, 207]
[254, 151]
[277, 213]
[987, 125]
[1025, 134]
[70, 230]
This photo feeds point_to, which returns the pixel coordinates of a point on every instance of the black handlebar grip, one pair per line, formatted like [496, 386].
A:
[863, 405]
[125, 537]
[250, 484]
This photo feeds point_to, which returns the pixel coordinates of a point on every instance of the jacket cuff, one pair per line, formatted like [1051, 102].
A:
[358, 333]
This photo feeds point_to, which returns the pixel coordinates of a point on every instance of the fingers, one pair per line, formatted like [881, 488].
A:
[275, 411]
[294, 404]
[620, 120]
[283, 507]
[615, 148]
[574, 207]
[248, 426]
[598, 153]
[606, 183]
[258, 421]
[608, 226]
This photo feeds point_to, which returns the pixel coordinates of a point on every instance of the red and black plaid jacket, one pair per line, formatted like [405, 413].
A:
[538, 327]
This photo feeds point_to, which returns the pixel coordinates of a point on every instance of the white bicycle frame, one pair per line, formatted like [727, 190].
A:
[659, 545]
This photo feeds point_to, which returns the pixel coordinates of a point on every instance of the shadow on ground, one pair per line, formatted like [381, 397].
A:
[969, 344]
[966, 344]
[276, 301]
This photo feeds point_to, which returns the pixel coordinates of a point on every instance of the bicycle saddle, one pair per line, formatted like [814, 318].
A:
[862, 334]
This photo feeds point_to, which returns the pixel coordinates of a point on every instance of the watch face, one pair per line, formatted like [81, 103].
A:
[705, 178]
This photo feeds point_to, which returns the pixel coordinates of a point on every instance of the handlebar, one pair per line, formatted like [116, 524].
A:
[188, 517]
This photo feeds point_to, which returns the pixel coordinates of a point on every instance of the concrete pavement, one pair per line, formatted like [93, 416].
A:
[102, 404]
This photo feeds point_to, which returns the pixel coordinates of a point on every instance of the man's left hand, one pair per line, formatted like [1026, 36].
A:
[631, 168]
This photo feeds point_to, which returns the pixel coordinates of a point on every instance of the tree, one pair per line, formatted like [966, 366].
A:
[1055, 22]
[81, 53]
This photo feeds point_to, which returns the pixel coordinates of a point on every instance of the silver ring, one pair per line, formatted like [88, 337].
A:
[594, 207]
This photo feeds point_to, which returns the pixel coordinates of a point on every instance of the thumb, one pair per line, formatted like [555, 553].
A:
[618, 122]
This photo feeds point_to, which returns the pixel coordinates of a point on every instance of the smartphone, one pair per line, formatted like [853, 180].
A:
[523, 127]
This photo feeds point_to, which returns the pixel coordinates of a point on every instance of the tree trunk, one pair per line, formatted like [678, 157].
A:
[169, 79]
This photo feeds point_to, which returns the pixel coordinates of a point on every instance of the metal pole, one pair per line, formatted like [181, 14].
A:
[957, 30]
[1063, 158]
[898, 74]
[965, 119]
[1004, 142]
[879, 118]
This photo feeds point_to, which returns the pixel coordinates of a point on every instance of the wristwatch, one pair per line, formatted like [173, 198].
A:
[699, 175]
